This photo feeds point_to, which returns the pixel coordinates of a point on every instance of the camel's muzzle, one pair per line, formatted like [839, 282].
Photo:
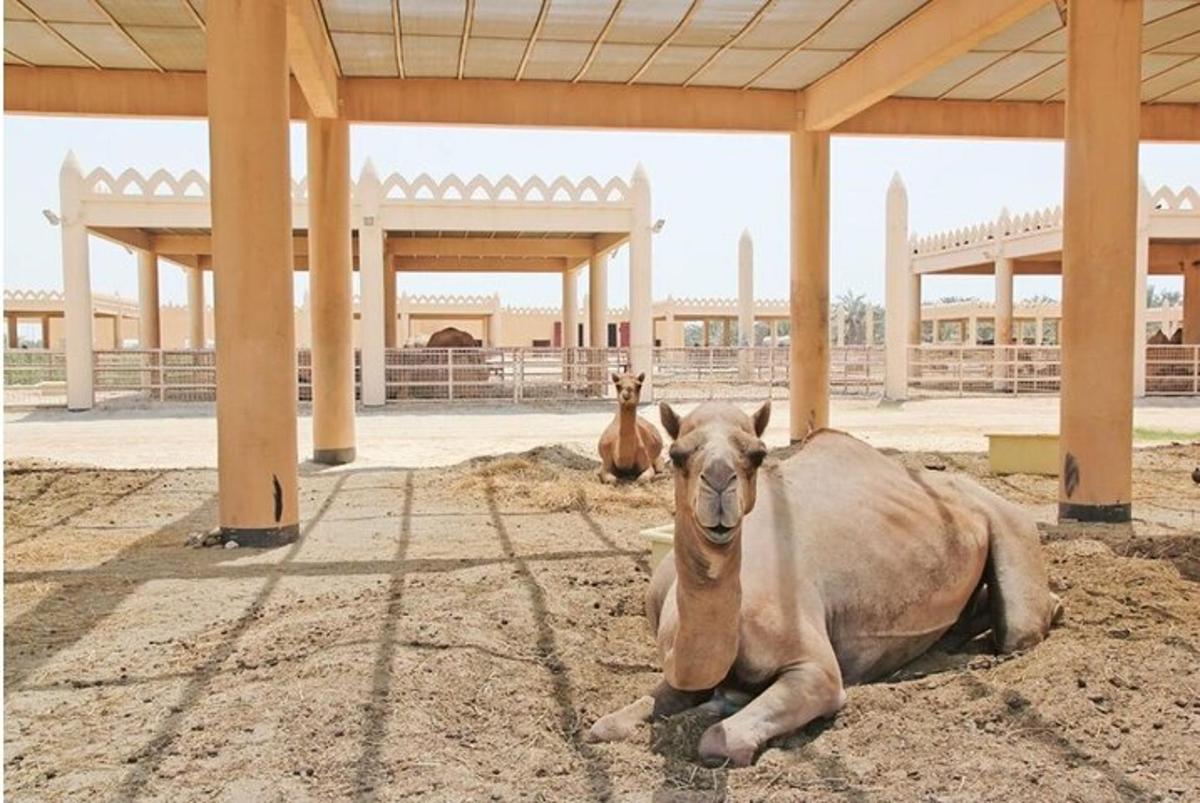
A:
[718, 505]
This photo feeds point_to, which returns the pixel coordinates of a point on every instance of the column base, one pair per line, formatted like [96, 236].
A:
[334, 457]
[261, 537]
[1105, 514]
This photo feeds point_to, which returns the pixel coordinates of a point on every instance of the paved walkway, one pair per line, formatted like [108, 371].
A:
[185, 436]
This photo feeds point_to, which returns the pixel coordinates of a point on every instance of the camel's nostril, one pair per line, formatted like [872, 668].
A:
[718, 475]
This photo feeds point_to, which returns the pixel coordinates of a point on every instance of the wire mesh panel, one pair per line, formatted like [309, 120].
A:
[183, 375]
[856, 369]
[1173, 370]
[719, 372]
[978, 370]
[35, 378]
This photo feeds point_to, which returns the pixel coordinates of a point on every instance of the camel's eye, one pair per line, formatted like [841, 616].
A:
[756, 454]
[679, 455]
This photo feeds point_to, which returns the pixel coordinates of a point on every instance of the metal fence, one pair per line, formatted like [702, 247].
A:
[723, 373]
[35, 378]
[517, 375]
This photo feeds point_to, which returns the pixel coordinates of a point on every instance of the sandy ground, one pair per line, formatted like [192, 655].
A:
[442, 435]
[449, 634]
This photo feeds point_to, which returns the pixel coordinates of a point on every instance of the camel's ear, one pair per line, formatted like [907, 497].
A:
[670, 420]
[641, 378]
[616, 379]
[761, 418]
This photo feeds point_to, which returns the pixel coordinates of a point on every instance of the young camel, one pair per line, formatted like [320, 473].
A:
[630, 447]
[832, 565]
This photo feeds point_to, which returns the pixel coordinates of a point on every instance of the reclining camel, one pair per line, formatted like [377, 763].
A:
[832, 565]
[630, 447]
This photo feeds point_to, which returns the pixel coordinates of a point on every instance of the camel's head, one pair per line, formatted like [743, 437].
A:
[629, 388]
[717, 452]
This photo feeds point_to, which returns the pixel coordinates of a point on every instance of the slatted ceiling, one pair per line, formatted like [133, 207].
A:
[430, 56]
[488, 57]
[1187, 94]
[863, 22]
[66, 10]
[802, 68]
[1155, 63]
[165, 13]
[1038, 87]
[1002, 75]
[13, 11]
[505, 19]
[556, 61]
[1168, 28]
[1052, 43]
[576, 20]
[1188, 46]
[199, 5]
[674, 64]
[1024, 31]
[30, 41]
[717, 21]
[943, 79]
[617, 62]
[1174, 78]
[358, 16]
[366, 54]
[736, 67]
[1154, 9]
[788, 23]
[104, 44]
[433, 18]
[174, 48]
[647, 21]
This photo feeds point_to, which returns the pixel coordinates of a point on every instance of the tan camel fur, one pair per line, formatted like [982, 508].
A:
[630, 447]
[830, 565]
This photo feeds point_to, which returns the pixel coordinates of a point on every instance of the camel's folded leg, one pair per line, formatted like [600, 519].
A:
[799, 695]
[664, 701]
[646, 475]
[1022, 607]
[606, 477]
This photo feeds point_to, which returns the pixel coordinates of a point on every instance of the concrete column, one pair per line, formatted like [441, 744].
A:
[149, 336]
[726, 333]
[1141, 264]
[389, 306]
[195, 299]
[898, 289]
[707, 336]
[77, 285]
[598, 301]
[406, 329]
[809, 373]
[248, 89]
[370, 279]
[869, 326]
[972, 330]
[839, 327]
[570, 310]
[1038, 322]
[13, 338]
[1191, 301]
[916, 310]
[116, 331]
[774, 325]
[671, 340]
[1002, 324]
[330, 279]
[1099, 248]
[641, 329]
[745, 290]
[45, 331]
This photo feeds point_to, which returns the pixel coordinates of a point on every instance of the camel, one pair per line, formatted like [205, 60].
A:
[451, 338]
[827, 566]
[630, 447]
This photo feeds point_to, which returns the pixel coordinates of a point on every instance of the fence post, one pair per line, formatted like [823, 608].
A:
[518, 374]
[450, 374]
[1195, 370]
[961, 357]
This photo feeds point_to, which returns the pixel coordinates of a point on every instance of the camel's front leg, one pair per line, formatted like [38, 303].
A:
[664, 701]
[799, 695]
[646, 476]
[606, 476]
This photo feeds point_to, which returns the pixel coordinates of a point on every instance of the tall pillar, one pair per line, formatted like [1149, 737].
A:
[898, 287]
[640, 325]
[809, 373]
[1099, 245]
[77, 285]
[570, 310]
[726, 333]
[598, 301]
[707, 324]
[13, 339]
[839, 326]
[1141, 263]
[1191, 300]
[1002, 323]
[671, 340]
[248, 88]
[389, 306]
[972, 330]
[745, 290]
[371, 287]
[149, 336]
[869, 325]
[331, 294]
[774, 326]
[915, 311]
[1039, 330]
[116, 330]
[46, 331]
[195, 299]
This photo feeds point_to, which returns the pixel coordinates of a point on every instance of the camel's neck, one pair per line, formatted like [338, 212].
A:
[627, 438]
[708, 594]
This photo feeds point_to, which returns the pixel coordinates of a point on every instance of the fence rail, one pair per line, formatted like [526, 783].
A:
[37, 377]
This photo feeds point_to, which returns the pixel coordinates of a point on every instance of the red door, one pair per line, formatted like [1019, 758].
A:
[624, 335]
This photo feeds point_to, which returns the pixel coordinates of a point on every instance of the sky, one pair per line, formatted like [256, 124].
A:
[707, 188]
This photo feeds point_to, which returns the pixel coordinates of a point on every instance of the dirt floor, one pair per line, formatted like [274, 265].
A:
[449, 634]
